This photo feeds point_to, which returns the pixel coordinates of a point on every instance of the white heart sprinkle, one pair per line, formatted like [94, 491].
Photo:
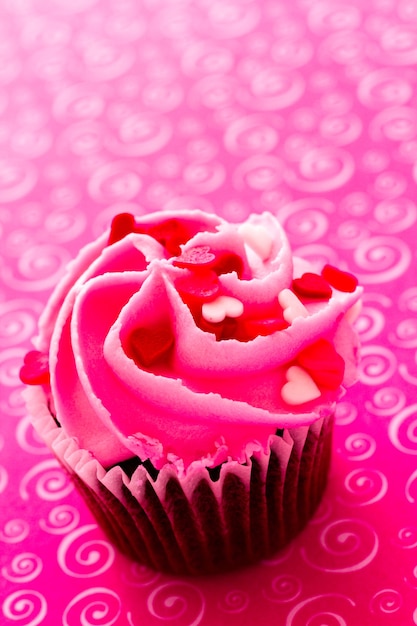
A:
[291, 305]
[257, 238]
[223, 306]
[300, 387]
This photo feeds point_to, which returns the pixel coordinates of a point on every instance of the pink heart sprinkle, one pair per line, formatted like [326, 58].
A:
[300, 387]
[199, 257]
[35, 368]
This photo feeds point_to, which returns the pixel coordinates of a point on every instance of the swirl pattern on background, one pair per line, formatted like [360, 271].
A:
[304, 109]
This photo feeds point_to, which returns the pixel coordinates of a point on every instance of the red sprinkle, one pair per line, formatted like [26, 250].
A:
[199, 257]
[198, 287]
[253, 327]
[35, 368]
[323, 363]
[123, 224]
[150, 345]
[312, 286]
[340, 280]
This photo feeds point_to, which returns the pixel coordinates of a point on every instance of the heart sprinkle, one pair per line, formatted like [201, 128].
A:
[312, 286]
[300, 387]
[340, 280]
[35, 368]
[257, 238]
[323, 363]
[197, 287]
[220, 308]
[291, 305]
[204, 258]
[123, 224]
[199, 257]
[150, 345]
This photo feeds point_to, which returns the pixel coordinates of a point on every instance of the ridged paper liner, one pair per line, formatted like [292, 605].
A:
[196, 524]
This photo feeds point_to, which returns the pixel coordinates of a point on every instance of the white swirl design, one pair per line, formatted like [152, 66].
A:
[14, 531]
[395, 124]
[97, 606]
[407, 538]
[65, 226]
[23, 568]
[141, 134]
[384, 88]
[117, 181]
[84, 559]
[409, 486]
[4, 478]
[17, 321]
[345, 545]
[235, 601]
[321, 170]
[386, 401]
[26, 606]
[370, 324]
[25, 433]
[360, 446]
[386, 601]
[39, 268]
[382, 259]
[272, 88]
[284, 588]
[396, 214]
[17, 178]
[405, 335]
[61, 520]
[175, 601]
[314, 610]
[346, 413]
[389, 184]
[377, 366]
[140, 576]
[250, 135]
[306, 220]
[364, 487]
[258, 172]
[402, 430]
[10, 360]
[52, 483]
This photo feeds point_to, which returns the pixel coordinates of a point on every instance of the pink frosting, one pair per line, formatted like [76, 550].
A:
[210, 398]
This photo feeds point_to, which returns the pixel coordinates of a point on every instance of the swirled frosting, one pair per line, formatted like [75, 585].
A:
[183, 338]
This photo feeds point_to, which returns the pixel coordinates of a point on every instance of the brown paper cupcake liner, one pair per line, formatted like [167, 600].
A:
[205, 521]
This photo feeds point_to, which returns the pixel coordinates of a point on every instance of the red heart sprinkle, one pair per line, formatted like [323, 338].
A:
[323, 363]
[123, 224]
[35, 368]
[150, 345]
[312, 286]
[252, 328]
[198, 287]
[196, 258]
[340, 280]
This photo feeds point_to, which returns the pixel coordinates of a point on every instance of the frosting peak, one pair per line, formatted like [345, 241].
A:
[183, 336]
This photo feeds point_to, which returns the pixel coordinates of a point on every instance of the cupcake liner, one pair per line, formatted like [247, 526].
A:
[203, 521]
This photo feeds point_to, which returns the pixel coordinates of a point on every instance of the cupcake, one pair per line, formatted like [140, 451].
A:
[186, 373]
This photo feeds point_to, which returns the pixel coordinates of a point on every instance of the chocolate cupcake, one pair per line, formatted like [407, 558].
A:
[186, 373]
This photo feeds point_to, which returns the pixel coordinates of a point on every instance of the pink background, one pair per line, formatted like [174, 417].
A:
[306, 108]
